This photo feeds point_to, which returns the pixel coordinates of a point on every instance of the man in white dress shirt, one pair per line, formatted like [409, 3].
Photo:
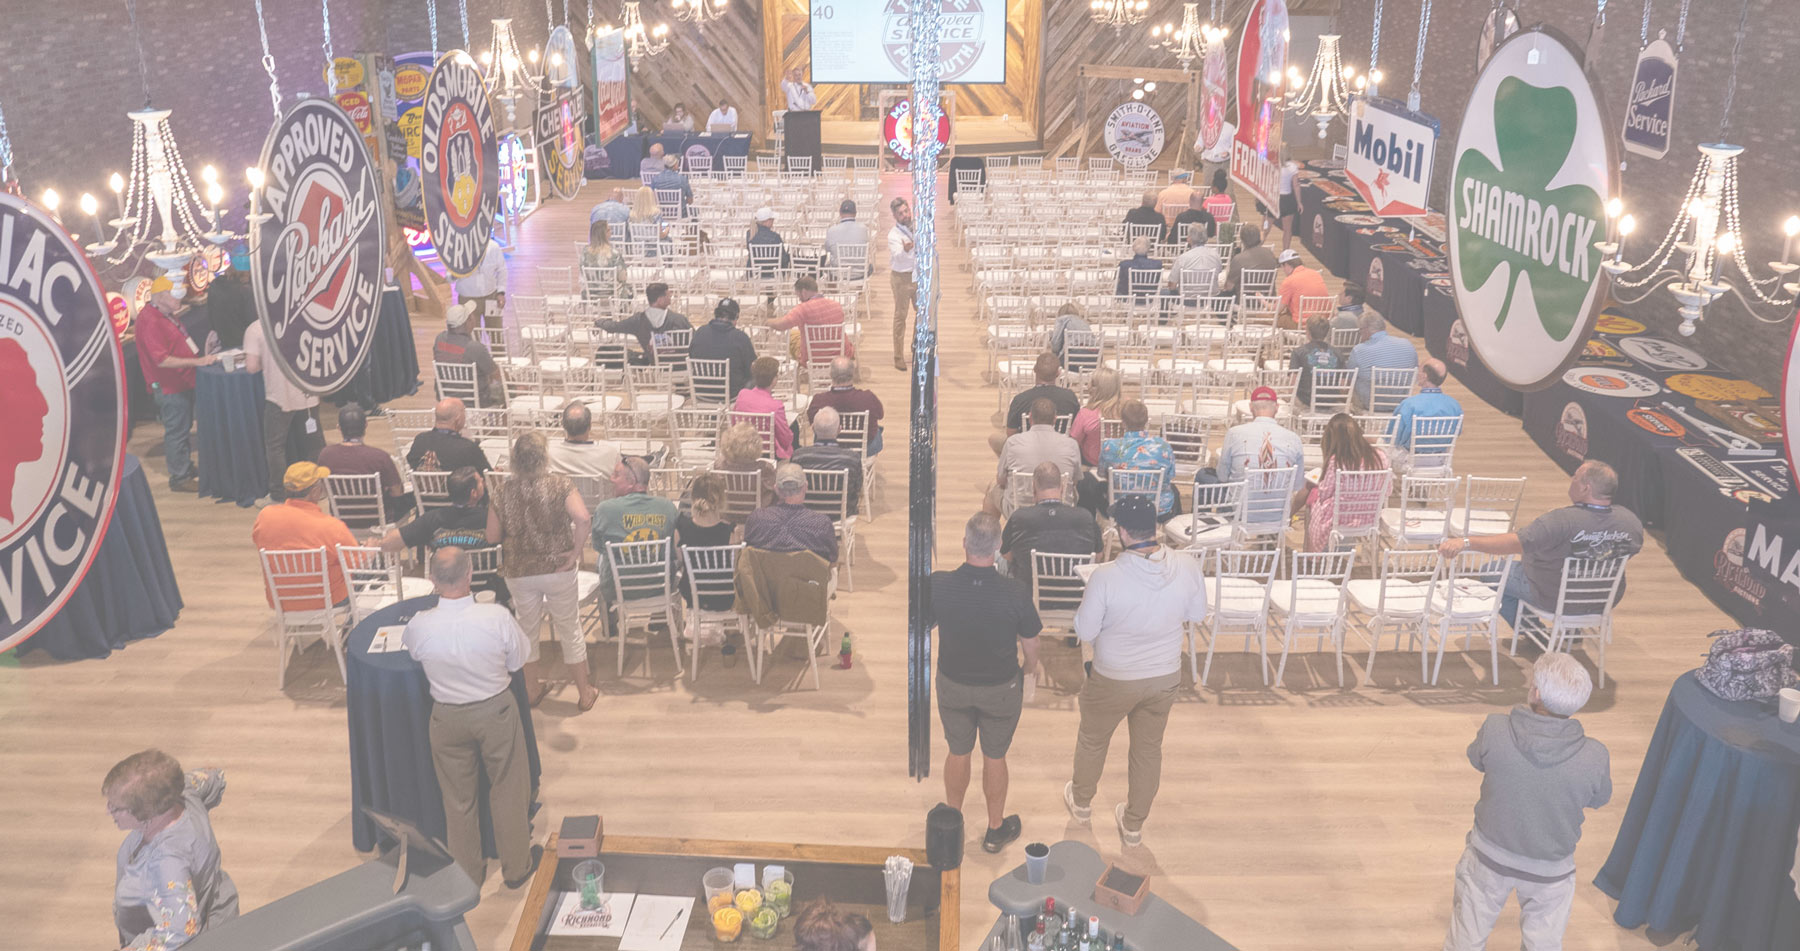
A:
[485, 287]
[469, 652]
[799, 92]
[900, 269]
[723, 119]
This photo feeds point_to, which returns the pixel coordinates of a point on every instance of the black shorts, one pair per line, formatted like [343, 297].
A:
[1290, 205]
[992, 712]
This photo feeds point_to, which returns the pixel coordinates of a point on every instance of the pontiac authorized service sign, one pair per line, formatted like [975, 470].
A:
[62, 418]
[1533, 171]
[316, 261]
[459, 156]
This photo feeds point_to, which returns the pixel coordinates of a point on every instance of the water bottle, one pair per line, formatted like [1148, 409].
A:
[1013, 941]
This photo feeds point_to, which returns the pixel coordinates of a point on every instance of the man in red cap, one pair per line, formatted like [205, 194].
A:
[1261, 443]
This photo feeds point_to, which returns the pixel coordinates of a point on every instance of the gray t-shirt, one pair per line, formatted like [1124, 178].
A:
[1575, 531]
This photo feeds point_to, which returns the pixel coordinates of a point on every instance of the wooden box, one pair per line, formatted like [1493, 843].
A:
[580, 837]
[1121, 890]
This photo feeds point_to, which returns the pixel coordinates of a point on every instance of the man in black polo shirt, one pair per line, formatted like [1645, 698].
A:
[1051, 525]
[444, 448]
[462, 524]
[1046, 369]
[980, 617]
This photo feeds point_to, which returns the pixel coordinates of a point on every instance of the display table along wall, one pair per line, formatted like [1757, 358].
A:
[1073, 870]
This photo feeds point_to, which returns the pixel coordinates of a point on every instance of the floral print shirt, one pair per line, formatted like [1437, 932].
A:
[1140, 450]
[171, 887]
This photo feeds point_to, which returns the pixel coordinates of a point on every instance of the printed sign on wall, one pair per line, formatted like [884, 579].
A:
[459, 156]
[1261, 66]
[1391, 150]
[1134, 134]
[1533, 170]
[1214, 95]
[316, 260]
[62, 435]
[1650, 114]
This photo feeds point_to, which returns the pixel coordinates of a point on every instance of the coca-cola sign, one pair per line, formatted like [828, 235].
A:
[317, 254]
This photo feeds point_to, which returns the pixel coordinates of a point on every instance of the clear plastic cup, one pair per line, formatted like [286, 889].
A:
[589, 878]
[718, 885]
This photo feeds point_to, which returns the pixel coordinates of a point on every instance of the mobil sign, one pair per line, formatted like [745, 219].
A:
[1391, 150]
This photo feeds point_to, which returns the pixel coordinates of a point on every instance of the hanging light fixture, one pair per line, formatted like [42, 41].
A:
[1184, 41]
[160, 205]
[1324, 93]
[509, 74]
[642, 41]
[700, 12]
[1119, 14]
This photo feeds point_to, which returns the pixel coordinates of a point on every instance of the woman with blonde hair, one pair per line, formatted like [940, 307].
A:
[541, 525]
[1342, 447]
[740, 450]
[169, 884]
[647, 223]
[704, 526]
[599, 253]
[1105, 397]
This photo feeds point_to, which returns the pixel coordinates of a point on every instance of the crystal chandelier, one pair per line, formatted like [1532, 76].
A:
[1119, 13]
[699, 12]
[641, 42]
[1185, 42]
[159, 204]
[1325, 93]
[509, 77]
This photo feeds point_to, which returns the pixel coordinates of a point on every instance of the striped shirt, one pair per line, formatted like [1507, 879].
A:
[1382, 351]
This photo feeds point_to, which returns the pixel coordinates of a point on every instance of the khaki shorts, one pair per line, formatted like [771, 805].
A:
[992, 712]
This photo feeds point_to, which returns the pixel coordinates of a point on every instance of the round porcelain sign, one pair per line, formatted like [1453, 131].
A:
[1532, 174]
[1134, 134]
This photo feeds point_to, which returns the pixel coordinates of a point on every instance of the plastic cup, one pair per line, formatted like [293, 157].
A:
[1037, 859]
[1789, 702]
[719, 888]
[590, 881]
[778, 893]
[728, 923]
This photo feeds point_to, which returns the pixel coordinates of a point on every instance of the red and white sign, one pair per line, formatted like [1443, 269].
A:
[1790, 399]
[1391, 151]
[1261, 66]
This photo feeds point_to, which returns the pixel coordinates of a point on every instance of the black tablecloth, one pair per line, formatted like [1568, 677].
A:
[1447, 340]
[625, 154]
[389, 705]
[392, 368]
[1708, 840]
[228, 404]
[129, 591]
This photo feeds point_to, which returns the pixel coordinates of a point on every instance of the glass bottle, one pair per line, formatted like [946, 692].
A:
[1036, 941]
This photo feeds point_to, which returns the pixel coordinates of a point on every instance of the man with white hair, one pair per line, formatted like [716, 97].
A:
[1140, 262]
[1379, 350]
[651, 164]
[613, 209]
[1539, 772]
[1261, 443]
[1145, 213]
[847, 232]
[846, 397]
[669, 178]
[825, 453]
[789, 525]
[456, 344]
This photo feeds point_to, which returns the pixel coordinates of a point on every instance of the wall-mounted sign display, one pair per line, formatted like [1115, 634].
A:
[356, 106]
[897, 131]
[560, 139]
[1391, 152]
[1533, 170]
[316, 261]
[1215, 95]
[348, 70]
[62, 435]
[1134, 134]
[1650, 115]
[459, 161]
[1261, 68]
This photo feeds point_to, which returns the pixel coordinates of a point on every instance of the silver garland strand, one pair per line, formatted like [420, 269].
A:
[6, 151]
[463, 6]
[1375, 47]
[1644, 27]
[1412, 96]
[137, 36]
[330, 60]
[268, 62]
[431, 15]
[1681, 26]
[1737, 49]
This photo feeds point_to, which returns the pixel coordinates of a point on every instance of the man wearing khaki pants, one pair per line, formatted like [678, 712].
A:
[1132, 613]
[469, 652]
[901, 264]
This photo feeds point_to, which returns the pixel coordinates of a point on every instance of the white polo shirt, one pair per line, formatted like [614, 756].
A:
[468, 650]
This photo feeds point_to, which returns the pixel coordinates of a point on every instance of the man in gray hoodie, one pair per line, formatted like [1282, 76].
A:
[651, 325]
[1539, 773]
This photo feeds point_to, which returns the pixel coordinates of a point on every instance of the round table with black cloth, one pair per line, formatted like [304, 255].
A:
[1708, 840]
[389, 705]
[229, 443]
[392, 367]
[129, 591]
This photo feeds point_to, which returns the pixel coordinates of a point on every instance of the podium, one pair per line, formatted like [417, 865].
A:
[801, 137]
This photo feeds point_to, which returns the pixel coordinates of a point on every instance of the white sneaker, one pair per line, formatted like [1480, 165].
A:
[1126, 835]
[1081, 814]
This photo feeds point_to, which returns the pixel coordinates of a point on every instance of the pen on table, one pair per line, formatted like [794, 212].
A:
[671, 924]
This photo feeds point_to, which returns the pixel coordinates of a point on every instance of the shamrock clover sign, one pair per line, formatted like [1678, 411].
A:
[1507, 214]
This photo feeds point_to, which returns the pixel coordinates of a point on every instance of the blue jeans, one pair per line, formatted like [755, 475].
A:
[1518, 588]
[875, 443]
[177, 413]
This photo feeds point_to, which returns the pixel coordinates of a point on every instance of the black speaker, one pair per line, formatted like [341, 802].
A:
[944, 837]
[800, 136]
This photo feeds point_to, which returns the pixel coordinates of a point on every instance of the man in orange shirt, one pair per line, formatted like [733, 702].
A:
[1297, 281]
[814, 310]
[299, 523]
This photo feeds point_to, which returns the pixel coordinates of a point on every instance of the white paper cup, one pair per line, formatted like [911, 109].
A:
[1789, 701]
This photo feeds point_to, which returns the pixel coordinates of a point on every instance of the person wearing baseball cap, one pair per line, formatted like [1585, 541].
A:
[168, 358]
[764, 236]
[1133, 613]
[1299, 282]
[1261, 443]
[789, 525]
[299, 523]
[1174, 197]
[456, 344]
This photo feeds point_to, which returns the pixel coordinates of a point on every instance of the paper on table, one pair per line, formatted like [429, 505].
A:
[387, 639]
[572, 920]
[658, 923]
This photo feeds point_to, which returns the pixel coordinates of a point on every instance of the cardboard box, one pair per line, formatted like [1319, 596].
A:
[1121, 890]
[580, 837]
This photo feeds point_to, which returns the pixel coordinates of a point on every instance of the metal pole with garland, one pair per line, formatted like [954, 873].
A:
[926, 29]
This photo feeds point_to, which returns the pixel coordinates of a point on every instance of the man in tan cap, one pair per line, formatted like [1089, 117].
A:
[299, 523]
[457, 344]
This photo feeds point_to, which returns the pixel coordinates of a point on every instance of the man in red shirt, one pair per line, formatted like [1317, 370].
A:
[168, 359]
[814, 310]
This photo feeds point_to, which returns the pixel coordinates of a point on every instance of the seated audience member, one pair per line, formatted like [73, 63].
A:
[847, 232]
[720, 339]
[613, 210]
[457, 344]
[821, 926]
[650, 325]
[578, 453]
[1314, 354]
[671, 179]
[1139, 449]
[1261, 443]
[1350, 307]
[300, 523]
[704, 526]
[1048, 525]
[1220, 204]
[169, 884]
[789, 525]
[814, 310]
[1047, 368]
[353, 457]
[740, 450]
[825, 453]
[1253, 256]
[1431, 402]
[679, 119]
[845, 397]
[1379, 350]
[651, 163]
[1068, 317]
[1195, 216]
[462, 523]
[648, 228]
[1590, 527]
[1145, 213]
[1199, 264]
[600, 254]
[1140, 262]
[1297, 282]
[1179, 190]
[1023, 451]
[443, 447]
[757, 398]
[1540, 772]
[1104, 401]
[1342, 448]
[764, 235]
[632, 514]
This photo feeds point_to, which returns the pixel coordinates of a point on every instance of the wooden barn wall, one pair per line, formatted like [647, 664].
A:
[1017, 97]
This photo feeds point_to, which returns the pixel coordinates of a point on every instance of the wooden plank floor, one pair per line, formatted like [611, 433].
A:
[1300, 818]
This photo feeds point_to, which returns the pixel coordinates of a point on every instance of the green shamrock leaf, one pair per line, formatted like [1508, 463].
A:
[1507, 215]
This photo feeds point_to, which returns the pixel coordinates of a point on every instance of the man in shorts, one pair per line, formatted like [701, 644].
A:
[984, 621]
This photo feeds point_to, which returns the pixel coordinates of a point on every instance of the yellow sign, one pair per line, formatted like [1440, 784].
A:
[349, 73]
[1618, 326]
[1705, 386]
[412, 124]
[410, 80]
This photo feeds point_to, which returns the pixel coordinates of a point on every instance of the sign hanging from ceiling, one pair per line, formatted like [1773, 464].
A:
[62, 435]
[562, 109]
[1391, 152]
[1534, 167]
[1134, 134]
[459, 161]
[1261, 66]
[1214, 95]
[316, 261]
[1501, 23]
[612, 92]
[897, 131]
[1650, 115]
[1790, 401]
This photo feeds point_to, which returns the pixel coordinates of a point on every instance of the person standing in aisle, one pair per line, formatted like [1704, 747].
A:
[168, 358]
[485, 287]
[901, 265]
[290, 415]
